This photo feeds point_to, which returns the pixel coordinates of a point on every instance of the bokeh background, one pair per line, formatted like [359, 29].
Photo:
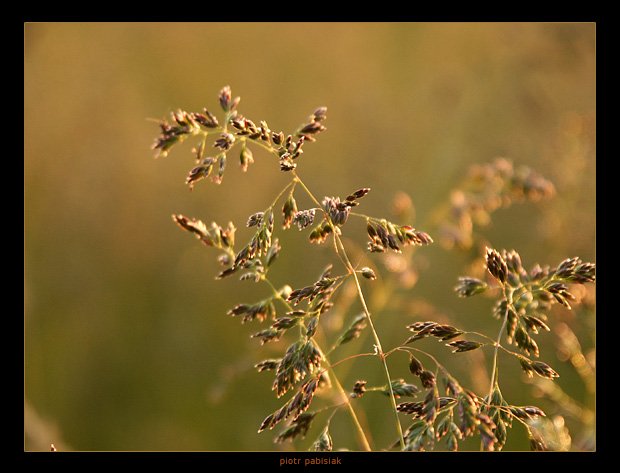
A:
[127, 345]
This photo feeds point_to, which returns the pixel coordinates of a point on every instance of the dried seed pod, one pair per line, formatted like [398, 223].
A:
[273, 252]
[368, 273]
[268, 335]
[470, 286]
[220, 170]
[200, 172]
[255, 219]
[265, 132]
[513, 261]
[206, 119]
[445, 332]
[427, 378]
[224, 142]
[184, 119]
[354, 330]
[312, 326]
[277, 138]
[584, 272]
[194, 226]
[286, 162]
[358, 194]
[467, 408]
[320, 233]
[423, 238]
[370, 229]
[267, 365]
[304, 218]
[401, 388]
[246, 158]
[199, 151]
[319, 114]
[298, 428]
[415, 366]
[324, 443]
[541, 369]
[338, 211]
[382, 235]
[285, 323]
[311, 129]
[525, 342]
[359, 389]
[296, 151]
[464, 345]
[299, 295]
[226, 101]
[534, 323]
[496, 265]
[289, 209]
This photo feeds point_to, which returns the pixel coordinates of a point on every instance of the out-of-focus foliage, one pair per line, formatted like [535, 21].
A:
[127, 341]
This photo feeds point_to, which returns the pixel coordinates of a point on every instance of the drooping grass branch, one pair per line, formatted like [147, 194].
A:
[303, 357]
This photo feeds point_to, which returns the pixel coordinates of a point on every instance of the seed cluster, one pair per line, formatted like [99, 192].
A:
[541, 369]
[298, 428]
[223, 238]
[300, 359]
[385, 235]
[425, 329]
[244, 130]
[454, 416]
[295, 406]
[319, 288]
[531, 293]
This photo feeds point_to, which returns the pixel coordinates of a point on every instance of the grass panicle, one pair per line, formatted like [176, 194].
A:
[443, 411]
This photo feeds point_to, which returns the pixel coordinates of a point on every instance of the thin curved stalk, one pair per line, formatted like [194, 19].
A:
[343, 255]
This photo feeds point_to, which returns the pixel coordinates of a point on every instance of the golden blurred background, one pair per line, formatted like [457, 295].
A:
[127, 341]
